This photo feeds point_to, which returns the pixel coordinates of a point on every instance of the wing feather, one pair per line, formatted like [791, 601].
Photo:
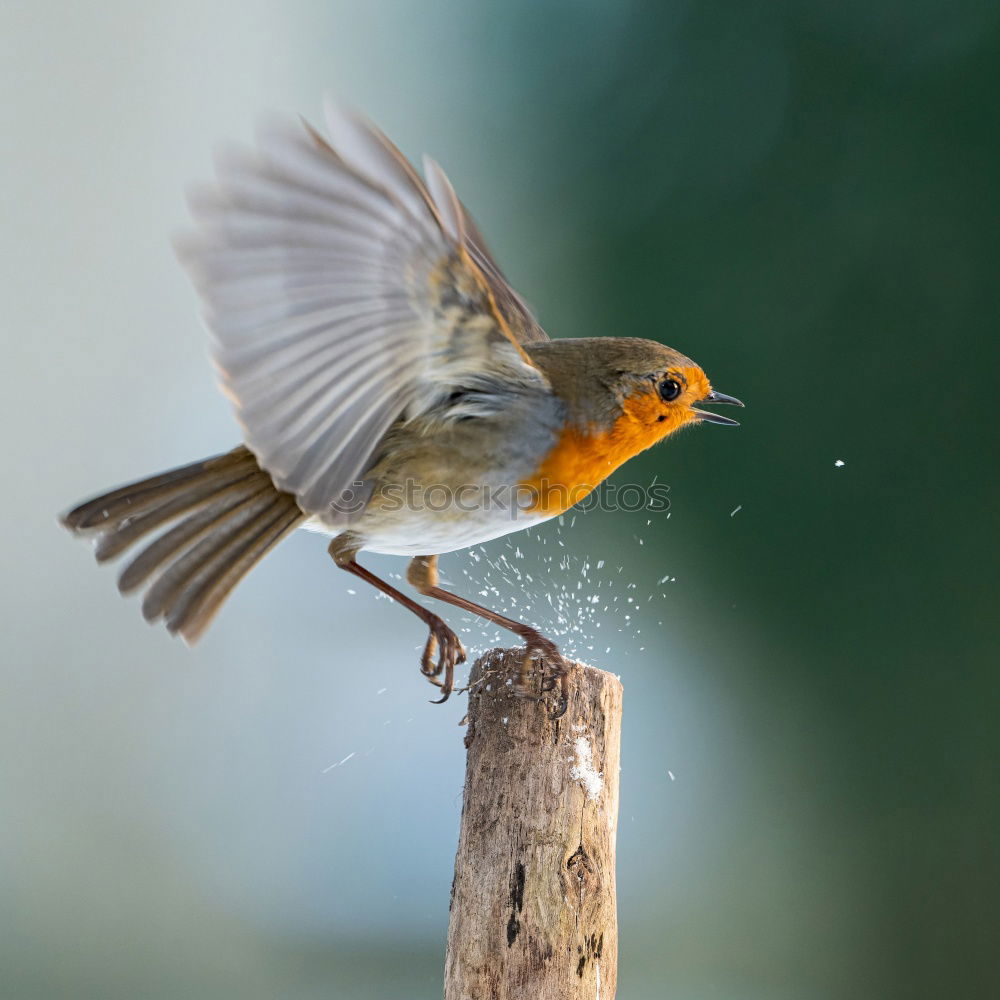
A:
[342, 295]
[260, 361]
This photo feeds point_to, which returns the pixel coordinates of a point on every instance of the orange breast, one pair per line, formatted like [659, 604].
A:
[582, 458]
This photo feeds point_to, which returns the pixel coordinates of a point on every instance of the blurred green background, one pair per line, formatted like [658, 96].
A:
[802, 196]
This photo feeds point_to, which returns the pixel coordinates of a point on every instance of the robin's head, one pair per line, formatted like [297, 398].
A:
[639, 387]
[622, 395]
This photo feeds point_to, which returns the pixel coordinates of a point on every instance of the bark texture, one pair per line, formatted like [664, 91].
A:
[533, 901]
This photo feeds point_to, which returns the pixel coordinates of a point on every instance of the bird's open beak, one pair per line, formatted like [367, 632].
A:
[715, 418]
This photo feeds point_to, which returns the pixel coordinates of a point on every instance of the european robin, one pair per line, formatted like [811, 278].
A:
[394, 391]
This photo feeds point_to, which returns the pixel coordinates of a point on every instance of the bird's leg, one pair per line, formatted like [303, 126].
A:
[441, 638]
[422, 573]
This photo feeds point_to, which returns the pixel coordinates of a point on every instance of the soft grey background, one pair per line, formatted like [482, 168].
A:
[800, 195]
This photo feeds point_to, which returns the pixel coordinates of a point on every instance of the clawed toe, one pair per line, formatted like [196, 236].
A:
[443, 652]
[430, 667]
[450, 653]
[555, 671]
[562, 702]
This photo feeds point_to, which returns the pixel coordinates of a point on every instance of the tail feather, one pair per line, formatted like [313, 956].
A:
[127, 501]
[179, 538]
[129, 530]
[189, 569]
[197, 606]
[221, 516]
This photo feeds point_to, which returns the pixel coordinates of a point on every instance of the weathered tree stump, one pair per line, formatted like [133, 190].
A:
[533, 901]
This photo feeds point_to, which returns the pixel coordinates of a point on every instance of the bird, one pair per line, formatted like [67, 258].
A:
[394, 391]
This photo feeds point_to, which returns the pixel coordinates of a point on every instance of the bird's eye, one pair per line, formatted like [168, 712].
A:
[670, 389]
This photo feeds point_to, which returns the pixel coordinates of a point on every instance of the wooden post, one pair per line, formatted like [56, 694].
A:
[533, 901]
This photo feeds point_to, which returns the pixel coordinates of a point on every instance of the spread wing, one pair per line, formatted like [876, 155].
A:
[343, 294]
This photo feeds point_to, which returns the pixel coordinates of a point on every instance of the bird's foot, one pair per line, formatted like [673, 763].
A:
[554, 667]
[449, 651]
